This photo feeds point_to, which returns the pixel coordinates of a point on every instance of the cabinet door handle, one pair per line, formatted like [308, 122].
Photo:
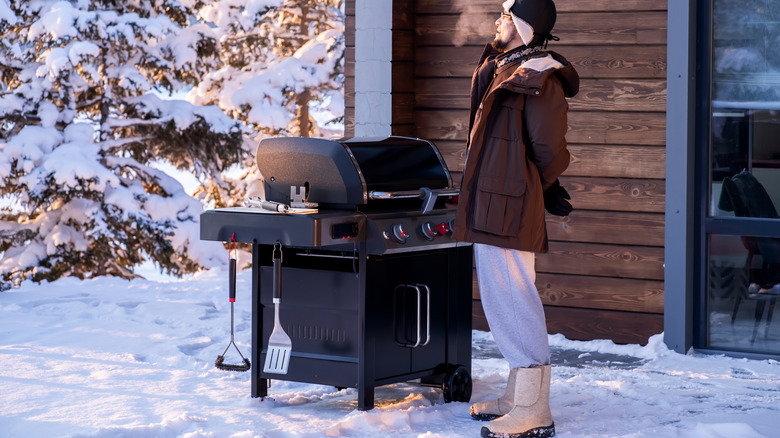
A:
[428, 312]
[419, 311]
[416, 288]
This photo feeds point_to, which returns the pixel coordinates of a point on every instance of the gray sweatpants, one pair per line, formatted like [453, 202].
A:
[512, 305]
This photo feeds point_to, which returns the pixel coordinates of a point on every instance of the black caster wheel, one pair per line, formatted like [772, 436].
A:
[457, 385]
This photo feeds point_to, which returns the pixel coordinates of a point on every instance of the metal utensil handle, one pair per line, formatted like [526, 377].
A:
[277, 276]
[266, 205]
[404, 194]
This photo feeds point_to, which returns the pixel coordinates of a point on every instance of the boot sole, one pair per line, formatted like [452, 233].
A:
[485, 417]
[537, 432]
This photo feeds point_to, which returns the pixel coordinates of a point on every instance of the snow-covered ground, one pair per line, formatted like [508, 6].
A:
[111, 358]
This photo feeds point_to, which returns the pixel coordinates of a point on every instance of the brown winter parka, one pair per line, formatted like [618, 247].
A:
[516, 148]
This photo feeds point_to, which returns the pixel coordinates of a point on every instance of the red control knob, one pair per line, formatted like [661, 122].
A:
[443, 228]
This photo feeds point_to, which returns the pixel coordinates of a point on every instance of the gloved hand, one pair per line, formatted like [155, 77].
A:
[555, 200]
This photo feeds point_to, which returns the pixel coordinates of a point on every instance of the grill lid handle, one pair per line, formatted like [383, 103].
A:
[428, 196]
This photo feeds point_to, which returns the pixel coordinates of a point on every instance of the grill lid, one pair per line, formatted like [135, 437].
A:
[342, 173]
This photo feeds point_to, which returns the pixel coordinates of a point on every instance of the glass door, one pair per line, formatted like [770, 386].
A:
[742, 226]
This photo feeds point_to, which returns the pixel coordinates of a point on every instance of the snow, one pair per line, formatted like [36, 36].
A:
[182, 113]
[31, 143]
[58, 21]
[70, 163]
[113, 358]
[6, 14]
[79, 50]
[49, 114]
[221, 15]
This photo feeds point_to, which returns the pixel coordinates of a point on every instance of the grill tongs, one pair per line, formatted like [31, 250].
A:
[428, 196]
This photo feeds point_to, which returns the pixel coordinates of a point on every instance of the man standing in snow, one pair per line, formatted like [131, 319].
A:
[516, 151]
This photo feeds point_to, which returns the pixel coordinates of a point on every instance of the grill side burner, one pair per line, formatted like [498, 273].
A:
[375, 290]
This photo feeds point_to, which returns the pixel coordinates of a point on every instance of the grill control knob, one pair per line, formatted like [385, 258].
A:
[399, 233]
[443, 228]
[428, 230]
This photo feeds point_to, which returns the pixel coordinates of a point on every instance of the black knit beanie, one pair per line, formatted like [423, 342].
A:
[539, 14]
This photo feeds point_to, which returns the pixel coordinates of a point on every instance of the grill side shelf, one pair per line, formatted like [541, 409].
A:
[301, 230]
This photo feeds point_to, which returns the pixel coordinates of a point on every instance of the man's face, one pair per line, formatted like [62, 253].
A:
[506, 33]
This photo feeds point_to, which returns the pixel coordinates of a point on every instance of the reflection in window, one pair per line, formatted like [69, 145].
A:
[743, 270]
[745, 140]
[744, 286]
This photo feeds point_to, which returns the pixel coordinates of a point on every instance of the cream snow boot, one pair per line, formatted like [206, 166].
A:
[490, 410]
[530, 417]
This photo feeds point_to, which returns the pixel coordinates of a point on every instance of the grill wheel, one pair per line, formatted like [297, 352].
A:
[457, 385]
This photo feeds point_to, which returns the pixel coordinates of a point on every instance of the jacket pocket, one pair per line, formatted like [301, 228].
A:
[498, 205]
[505, 120]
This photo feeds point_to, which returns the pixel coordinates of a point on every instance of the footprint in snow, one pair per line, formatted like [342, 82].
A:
[193, 348]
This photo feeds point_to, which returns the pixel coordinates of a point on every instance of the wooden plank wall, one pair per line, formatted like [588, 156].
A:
[403, 68]
[603, 276]
[349, 68]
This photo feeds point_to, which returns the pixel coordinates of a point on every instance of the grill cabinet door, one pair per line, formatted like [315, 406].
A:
[319, 312]
[405, 291]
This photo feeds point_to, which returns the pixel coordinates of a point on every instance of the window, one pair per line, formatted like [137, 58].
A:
[742, 225]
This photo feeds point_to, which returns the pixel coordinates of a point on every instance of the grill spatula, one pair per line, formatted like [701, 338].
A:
[277, 357]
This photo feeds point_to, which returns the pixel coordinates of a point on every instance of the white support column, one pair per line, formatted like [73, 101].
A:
[373, 70]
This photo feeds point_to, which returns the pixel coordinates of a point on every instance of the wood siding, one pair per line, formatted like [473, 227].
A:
[349, 68]
[403, 68]
[603, 277]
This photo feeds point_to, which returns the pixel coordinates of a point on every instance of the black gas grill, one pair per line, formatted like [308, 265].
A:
[374, 289]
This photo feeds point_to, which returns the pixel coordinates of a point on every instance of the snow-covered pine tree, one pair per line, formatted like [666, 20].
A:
[82, 127]
[282, 64]
[323, 22]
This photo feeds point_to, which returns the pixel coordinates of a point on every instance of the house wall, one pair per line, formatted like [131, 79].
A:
[603, 276]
